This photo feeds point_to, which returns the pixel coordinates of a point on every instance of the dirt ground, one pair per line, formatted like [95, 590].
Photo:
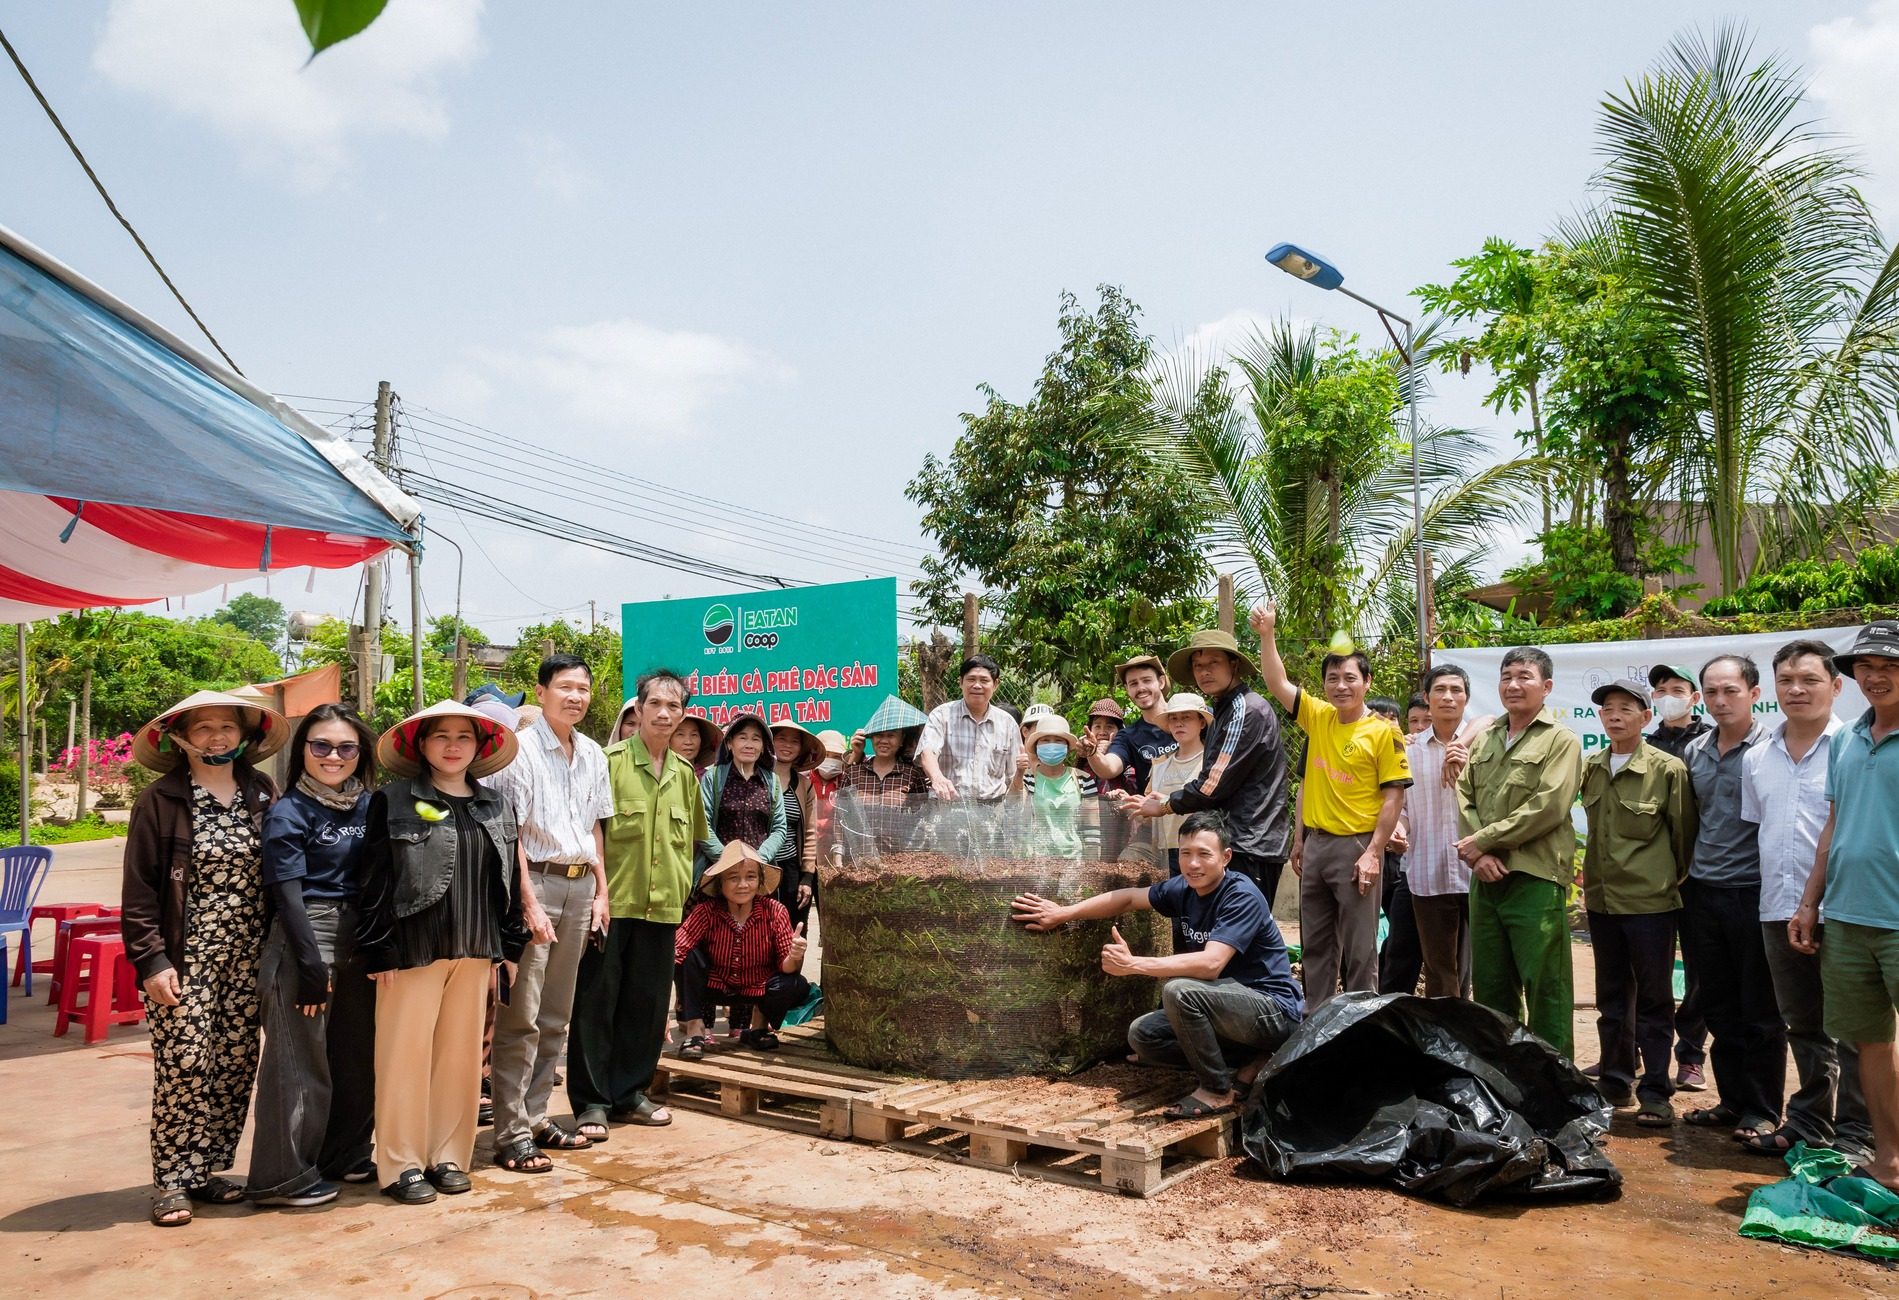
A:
[716, 1205]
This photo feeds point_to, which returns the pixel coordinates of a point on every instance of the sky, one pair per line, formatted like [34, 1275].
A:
[766, 254]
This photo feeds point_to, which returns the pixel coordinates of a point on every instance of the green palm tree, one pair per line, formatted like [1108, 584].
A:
[1740, 225]
[1311, 480]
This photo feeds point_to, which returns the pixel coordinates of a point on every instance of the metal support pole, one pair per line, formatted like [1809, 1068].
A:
[415, 617]
[26, 758]
[1417, 504]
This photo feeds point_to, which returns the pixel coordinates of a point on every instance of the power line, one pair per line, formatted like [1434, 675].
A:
[99, 185]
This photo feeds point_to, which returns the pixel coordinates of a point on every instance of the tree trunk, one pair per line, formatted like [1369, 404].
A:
[1536, 430]
[1618, 510]
[85, 744]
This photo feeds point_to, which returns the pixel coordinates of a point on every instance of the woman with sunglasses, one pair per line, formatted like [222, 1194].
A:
[316, 1088]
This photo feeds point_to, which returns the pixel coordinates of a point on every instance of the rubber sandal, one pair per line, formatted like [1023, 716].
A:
[1774, 1145]
[1745, 1132]
[592, 1117]
[520, 1157]
[1191, 1107]
[169, 1204]
[645, 1112]
[1712, 1117]
[1655, 1114]
[693, 1049]
[552, 1137]
[216, 1190]
[763, 1040]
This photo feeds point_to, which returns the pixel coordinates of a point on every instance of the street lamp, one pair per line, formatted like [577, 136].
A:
[1316, 271]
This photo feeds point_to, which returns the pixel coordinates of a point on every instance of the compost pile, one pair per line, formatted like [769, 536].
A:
[925, 973]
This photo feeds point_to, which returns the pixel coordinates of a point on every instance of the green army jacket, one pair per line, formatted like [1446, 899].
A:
[1641, 832]
[1516, 800]
[650, 837]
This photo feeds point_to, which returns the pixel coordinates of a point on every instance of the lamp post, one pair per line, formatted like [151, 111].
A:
[1321, 274]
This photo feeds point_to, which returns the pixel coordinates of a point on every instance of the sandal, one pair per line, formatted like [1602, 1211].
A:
[1759, 1130]
[523, 1157]
[693, 1049]
[1712, 1117]
[1774, 1145]
[216, 1190]
[645, 1111]
[1655, 1114]
[172, 1210]
[763, 1040]
[552, 1137]
[594, 1117]
[1191, 1107]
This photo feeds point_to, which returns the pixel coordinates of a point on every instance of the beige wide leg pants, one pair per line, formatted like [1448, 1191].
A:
[428, 1066]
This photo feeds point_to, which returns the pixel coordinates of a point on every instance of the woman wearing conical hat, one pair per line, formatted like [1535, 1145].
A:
[193, 921]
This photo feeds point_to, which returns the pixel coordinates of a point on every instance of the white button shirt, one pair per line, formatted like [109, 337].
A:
[1787, 800]
[556, 800]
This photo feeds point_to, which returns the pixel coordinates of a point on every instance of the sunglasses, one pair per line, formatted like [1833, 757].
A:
[323, 748]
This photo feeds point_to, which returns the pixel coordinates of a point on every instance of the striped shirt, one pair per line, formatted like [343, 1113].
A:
[743, 958]
[978, 758]
[1431, 864]
[557, 801]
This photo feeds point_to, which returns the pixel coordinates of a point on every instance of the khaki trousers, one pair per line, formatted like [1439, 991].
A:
[428, 1065]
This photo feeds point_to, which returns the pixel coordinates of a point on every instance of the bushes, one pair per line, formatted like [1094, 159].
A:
[1871, 577]
[9, 799]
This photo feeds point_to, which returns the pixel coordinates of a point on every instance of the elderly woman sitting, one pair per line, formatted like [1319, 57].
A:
[737, 946]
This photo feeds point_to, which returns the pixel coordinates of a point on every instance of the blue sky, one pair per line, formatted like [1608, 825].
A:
[766, 253]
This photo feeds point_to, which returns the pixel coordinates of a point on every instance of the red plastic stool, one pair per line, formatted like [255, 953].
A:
[105, 923]
[54, 912]
[96, 966]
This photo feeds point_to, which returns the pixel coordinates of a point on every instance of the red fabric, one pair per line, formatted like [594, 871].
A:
[742, 960]
[224, 543]
[15, 585]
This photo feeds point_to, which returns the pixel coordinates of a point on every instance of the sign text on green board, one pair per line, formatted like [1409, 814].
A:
[822, 656]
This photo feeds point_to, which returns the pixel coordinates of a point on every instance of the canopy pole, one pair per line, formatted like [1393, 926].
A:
[415, 615]
[26, 760]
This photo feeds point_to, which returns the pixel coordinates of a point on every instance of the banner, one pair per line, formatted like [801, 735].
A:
[821, 656]
[1580, 669]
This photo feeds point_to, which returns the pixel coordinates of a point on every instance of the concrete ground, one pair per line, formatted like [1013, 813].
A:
[716, 1205]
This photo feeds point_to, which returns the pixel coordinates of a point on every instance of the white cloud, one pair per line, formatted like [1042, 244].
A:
[238, 66]
[1853, 62]
[623, 373]
[1217, 340]
[555, 170]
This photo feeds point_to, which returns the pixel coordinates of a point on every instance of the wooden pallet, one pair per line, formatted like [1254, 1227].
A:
[1045, 1128]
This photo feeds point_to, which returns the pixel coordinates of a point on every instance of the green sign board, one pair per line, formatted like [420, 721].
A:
[819, 656]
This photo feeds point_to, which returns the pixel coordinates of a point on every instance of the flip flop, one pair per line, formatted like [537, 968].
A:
[1712, 1117]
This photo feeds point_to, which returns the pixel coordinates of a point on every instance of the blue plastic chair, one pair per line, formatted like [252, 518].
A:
[22, 872]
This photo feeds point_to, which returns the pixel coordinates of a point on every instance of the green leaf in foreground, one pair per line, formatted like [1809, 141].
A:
[326, 22]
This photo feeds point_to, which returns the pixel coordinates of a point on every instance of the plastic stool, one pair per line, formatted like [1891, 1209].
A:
[96, 966]
[63, 937]
[54, 912]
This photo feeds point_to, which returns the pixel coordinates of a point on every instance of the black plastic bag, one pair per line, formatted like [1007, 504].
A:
[1439, 1096]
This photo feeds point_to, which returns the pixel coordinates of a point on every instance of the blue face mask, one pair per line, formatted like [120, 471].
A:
[220, 760]
[1052, 753]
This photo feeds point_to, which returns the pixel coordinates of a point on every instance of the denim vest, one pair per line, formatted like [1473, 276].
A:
[422, 853]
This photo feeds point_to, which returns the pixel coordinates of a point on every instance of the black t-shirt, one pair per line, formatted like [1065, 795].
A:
[1138, 744]
[320, 846]
[1234, 914]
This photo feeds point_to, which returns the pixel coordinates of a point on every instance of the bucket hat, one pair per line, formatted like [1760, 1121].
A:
[1106, 708]
[489, 690]
[736, 852]
[1050, 726]
[1180, 663]
[1138, 661]
[1189, 702]
[1881, 639]
[895, 714]
[834, 743]
[153, 749]
[399, 755]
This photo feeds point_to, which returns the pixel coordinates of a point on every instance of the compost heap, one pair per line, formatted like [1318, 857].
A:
[925, 973]
[1439, 1096]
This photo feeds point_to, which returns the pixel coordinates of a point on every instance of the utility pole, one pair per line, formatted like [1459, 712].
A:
[592, 623]
[372, 604]
[971, 629]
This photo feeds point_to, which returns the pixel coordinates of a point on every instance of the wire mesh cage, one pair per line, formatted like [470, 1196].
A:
[925, 973]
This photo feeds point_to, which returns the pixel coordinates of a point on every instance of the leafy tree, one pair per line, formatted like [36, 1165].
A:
[140, 664]
[1741, 231]
[1869, 577]
[444, 628]
[1086, 542]
[259, 617]
[600, 647]
[1311, 485]
[1583, 576]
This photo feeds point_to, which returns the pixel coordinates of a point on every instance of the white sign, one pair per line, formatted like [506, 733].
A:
[1580, 669]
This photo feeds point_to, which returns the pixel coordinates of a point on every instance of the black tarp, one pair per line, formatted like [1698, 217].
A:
[1438, 1096]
